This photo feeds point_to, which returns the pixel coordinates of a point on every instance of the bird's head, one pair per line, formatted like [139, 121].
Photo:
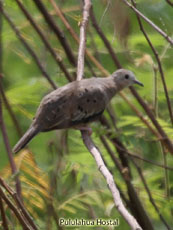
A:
[124, 78]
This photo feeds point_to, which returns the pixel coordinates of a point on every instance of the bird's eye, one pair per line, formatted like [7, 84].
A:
[126, 76]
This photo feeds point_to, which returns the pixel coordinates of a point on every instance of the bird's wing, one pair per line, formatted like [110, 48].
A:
[90, 103]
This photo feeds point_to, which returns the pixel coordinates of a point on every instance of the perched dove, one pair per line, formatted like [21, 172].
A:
[76, 104]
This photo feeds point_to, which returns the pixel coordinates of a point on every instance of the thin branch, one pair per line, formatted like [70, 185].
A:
[18, 202]
[106, 42]
[164, 137]
[87, 140]
[150, 195]
[9, 152]
[3, 216]
[159, 65]
[56, 57]
[124, 151]
[16, 211]
[75, 36]
[3, 127]
[29, 49]
[10, 111]
[148, 161]
[169, 2]
[56, 30]
[166, 175]
[82, 39]
[169, 39]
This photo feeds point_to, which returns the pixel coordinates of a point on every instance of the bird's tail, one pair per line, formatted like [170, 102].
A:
[30, 133]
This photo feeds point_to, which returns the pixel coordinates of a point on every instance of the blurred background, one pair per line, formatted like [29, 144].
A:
[59, 177]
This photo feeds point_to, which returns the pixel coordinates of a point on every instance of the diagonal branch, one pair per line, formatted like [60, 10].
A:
[15, 210]
[19, 203]
[158, 211]
[169, 2]
[3, 216]
[75, 37]
[159, 65]
[28, 48]
[56, 57]
[14, 169]
[56, 30]
[169, 39]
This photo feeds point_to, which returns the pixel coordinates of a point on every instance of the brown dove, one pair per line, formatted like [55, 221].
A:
[76, 104]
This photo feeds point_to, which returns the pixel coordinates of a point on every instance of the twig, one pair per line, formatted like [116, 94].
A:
[16, 212]
[164, 137]
[159, 65]
[10, 111]
[155, 93]
[106, 42]
[124, 151]
[169, 2]
[148, 161]
[3, 128]
[169, 39]
[75, 36]
[150, 195]
[166, 176]
[18, 202]
[56, 57]
[3, 216]
[87, 140]
[9, 152]
[57, 31]
[30, 50]
[82, 39]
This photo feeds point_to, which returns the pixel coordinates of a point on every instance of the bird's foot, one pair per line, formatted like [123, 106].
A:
[88, 129]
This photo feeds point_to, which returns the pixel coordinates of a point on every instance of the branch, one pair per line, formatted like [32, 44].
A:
[29, 49]
[18, 202]
[3, 127]
[56, 57]
[87, 140]
[10, 111]
[158, 211]
[169, 39]
[75, 36]
[106, 42]
[169, 2]
[9, 153]
[82, 44]
[3, 216]
[16, 212]
[159, 65]
[57, 31]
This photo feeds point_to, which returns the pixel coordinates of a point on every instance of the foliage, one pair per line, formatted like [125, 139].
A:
[57, 173]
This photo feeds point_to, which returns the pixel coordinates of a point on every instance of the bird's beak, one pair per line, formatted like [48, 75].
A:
[138, 82]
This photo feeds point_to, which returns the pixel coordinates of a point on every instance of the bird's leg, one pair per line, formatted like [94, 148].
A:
[85, 128]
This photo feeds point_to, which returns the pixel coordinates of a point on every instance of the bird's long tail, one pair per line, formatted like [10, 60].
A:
[30, 133]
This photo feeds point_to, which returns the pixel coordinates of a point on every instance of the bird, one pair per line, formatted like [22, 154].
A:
[76, 104]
